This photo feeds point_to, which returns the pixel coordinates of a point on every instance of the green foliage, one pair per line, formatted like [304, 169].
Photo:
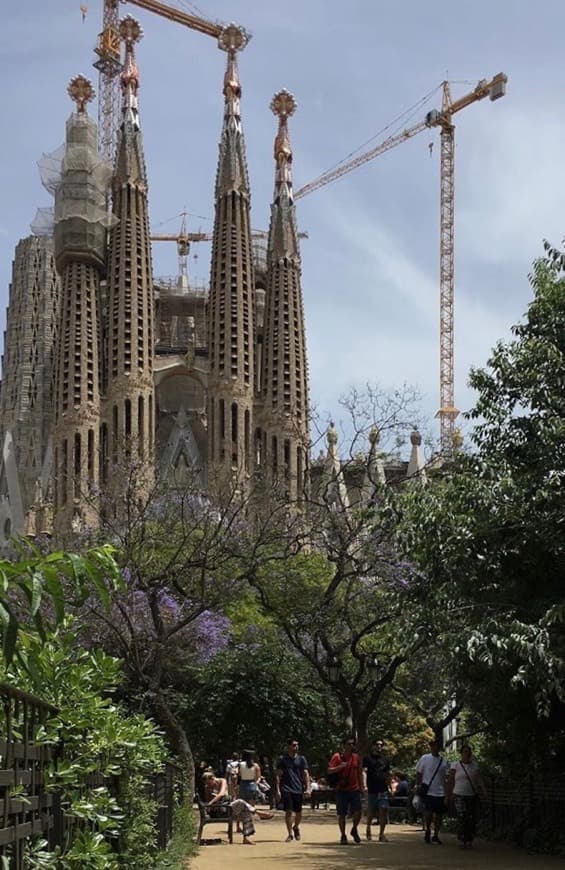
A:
[490, 537]
[62, 578]
[182, 845]
[256, 693]
[97, 734]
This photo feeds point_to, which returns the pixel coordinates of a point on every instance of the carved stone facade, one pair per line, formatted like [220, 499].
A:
[182, 381]
[26, 395]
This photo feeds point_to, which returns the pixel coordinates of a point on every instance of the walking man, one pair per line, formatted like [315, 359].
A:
[431, 775]
[292, 783]
[376, 781]
[345, 769]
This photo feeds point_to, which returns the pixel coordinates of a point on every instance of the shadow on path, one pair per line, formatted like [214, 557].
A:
[319, 849]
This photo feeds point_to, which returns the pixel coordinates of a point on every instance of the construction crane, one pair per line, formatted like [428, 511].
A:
[494, 88]
[109, 64]
[183, 240]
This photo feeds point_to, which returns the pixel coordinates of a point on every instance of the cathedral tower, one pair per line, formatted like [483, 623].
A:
[282, 446]
[80, 240]
[128, 428]
[231, 319]
[26, 400]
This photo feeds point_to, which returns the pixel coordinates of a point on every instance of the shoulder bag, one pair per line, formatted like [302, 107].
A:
[424, 786]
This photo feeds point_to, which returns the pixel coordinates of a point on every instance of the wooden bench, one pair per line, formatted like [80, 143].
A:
[322, 797]
[222, 816]
[398, 809]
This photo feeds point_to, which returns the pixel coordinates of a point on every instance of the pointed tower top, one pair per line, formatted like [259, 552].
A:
[232, 172]
[283, 104]
[131, 32]
[416, 470]
[283, 235]
[331, 435]
[81, 92]
[231, 40]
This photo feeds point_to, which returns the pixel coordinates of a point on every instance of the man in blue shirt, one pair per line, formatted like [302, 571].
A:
[292, 783]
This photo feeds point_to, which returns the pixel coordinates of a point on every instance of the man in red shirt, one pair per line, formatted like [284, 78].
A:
[346, 766]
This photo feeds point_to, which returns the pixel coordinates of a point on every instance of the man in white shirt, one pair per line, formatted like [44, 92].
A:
[431, 775]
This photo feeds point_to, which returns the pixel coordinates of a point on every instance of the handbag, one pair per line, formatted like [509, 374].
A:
[423, 788]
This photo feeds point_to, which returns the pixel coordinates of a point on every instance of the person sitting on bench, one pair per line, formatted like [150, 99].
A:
[217, 799]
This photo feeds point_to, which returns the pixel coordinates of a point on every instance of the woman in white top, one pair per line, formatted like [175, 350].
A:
[465, 785]
[249, 775]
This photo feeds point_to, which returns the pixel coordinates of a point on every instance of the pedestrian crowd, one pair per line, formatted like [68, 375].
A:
[440, 787]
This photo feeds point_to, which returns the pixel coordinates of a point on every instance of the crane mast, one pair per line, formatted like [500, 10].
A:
[108, 65]
[447, 411]
[493, 88]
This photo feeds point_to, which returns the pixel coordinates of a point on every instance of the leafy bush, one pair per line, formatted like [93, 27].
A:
[106, 755]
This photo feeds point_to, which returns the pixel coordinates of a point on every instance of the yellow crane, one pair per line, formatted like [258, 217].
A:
[109, 64]
[184, 238]
[493, 88]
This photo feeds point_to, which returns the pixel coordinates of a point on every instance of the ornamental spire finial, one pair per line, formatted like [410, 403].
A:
[283, 105]
[81, 92]
[231, 40]
[131, 32]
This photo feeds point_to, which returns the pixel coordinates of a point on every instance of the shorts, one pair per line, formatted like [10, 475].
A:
[347, 801]
[433, 804]
[377, 801]
[292, 801]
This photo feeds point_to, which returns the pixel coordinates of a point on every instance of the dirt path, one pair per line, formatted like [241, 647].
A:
[319, 850]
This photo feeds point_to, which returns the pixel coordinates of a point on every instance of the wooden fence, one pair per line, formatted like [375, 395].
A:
[27, 809]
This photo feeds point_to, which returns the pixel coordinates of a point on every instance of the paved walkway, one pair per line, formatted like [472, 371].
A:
[319, 850]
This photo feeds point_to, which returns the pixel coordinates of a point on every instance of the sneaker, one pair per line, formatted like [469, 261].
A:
[296, 830]
[436, 840]
[383, 839]
[427, 837]
[289, 839]
[343, 841]
[355, 835]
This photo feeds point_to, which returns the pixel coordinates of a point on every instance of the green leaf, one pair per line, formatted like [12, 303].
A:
[9, 638]
[37, 592]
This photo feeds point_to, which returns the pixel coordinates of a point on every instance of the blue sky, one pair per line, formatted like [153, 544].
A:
[370, 266]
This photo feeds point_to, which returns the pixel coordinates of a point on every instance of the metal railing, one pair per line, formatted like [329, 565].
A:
[516, 809]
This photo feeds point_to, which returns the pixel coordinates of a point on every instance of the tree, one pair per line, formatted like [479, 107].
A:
[490, 534]
[255, 694]
[343, 594]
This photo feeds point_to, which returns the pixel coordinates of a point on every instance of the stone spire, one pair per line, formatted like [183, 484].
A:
[231, 314]
[285, 376]
[416, 471]
[80, 249]
[128, 428]
[334, 486]
[374, 472]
